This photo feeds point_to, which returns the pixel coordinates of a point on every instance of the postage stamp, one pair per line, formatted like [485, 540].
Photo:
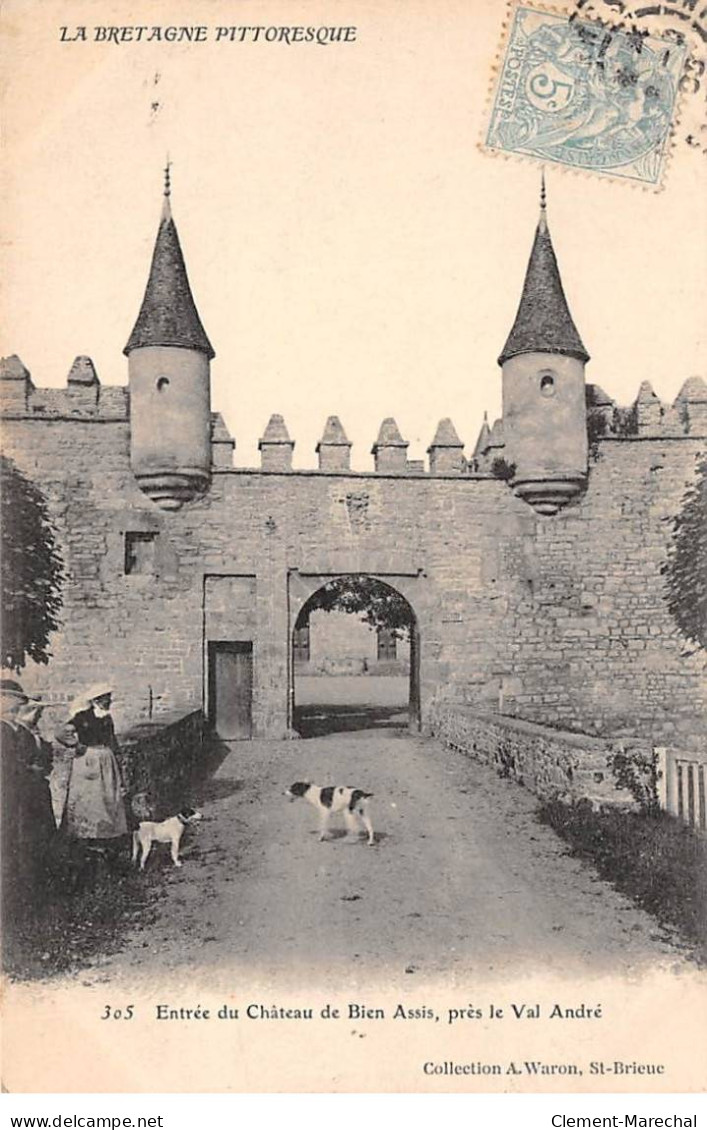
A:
[575, 93]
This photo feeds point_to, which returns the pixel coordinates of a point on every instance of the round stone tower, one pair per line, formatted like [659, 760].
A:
[168, 364]
[544, 407]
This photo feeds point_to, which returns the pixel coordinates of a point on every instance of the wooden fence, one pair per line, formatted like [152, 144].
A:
[681, 785]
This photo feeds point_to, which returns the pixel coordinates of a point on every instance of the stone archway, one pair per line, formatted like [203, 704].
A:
[303, 590]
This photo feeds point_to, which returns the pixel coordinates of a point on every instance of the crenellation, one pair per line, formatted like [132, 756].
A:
[83, 387]
[223, 444]
[446, 452]
[275, 446]
[334, 448]
[649, 411]
[536, 588]
[691, 404]
[390, 449]
[15, 385]
[85, 400]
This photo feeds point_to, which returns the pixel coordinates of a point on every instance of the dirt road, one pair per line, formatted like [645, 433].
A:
[461, 882]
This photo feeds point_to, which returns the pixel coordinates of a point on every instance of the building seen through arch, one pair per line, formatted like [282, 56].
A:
[352, 674]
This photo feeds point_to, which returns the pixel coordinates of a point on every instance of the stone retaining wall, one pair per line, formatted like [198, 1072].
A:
[551, 763]
[161, 764]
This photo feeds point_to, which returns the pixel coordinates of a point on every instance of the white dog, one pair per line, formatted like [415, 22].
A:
[352, 802]
[169, 831]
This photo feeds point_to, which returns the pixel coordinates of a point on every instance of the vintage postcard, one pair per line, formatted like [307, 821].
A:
[354, 485]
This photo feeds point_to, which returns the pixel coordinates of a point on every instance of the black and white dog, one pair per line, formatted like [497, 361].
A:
[353, 803]
[169, 831]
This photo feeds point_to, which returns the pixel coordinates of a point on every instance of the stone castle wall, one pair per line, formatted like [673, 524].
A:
[558, 620]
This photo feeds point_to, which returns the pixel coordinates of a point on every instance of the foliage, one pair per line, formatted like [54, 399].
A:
[85, 912]
[502, 469]
[597, 428]
[655, 859]
[375, 602]
[686, 568]
[505, 759]
[87, 902]
[637, 772]
[32, 571]
[625, 421]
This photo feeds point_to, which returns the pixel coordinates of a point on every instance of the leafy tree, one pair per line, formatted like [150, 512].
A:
[31, 570]
[377, 603]
[502, 469]
[637, 771]
[686, 568]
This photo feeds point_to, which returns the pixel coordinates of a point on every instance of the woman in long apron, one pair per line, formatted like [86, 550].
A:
[95, 810]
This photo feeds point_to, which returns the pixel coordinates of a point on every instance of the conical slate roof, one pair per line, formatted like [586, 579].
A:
[168, 315]
[543, 323]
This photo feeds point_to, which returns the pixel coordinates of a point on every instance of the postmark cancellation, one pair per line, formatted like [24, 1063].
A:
[576, 93]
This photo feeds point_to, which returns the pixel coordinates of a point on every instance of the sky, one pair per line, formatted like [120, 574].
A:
[351, 248]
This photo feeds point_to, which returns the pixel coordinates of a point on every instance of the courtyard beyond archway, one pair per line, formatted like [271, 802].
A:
[355, 661]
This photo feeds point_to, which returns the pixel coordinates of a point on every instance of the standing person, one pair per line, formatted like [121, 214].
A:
[95, 811]
[28, 825]
[39, 762]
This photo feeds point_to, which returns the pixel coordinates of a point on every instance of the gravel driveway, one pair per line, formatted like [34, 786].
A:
[461, 883]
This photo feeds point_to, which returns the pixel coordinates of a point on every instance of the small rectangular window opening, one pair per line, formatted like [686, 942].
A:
[140, 552]
[387, 644]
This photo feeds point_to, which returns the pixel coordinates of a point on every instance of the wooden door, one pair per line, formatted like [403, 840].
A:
[231, 689]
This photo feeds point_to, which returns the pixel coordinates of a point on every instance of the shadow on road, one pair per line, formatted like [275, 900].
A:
[316, 721]
[217, 789]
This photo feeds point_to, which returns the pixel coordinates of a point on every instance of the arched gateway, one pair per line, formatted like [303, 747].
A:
[305, 594]
[532, 568]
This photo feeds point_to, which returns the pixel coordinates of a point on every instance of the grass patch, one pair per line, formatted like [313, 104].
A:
[655, 859]
[85, 905]
[76, 917]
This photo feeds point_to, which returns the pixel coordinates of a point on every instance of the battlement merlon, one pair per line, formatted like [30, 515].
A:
[648, 416]
[86, 400]
[83, 397]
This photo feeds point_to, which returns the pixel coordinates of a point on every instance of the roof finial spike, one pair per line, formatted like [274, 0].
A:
[166, 207]
[543, 323]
